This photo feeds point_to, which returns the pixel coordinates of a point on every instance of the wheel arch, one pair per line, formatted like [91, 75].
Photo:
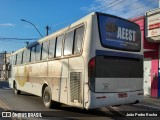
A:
[14, 83]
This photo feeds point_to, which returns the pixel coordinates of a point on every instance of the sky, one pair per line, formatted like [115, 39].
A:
[57, 14]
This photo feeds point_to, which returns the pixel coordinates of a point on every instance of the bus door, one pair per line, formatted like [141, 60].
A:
[64, 81]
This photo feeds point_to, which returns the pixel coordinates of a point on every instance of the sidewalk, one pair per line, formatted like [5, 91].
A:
[150, 103]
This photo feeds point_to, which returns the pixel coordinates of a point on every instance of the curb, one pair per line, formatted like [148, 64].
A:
[148, 107]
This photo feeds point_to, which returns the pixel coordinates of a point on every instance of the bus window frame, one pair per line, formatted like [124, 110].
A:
[15, 61]
[47, 53]
[62, 46]
[31, 50]
[40, 56]
[22, 57]
[53, 39]
[71, 30]
[18, 60]
[28, 51]
[82, 41]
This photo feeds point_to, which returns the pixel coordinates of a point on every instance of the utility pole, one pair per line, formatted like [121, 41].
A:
[5, 65]
[27, 43]
[5, 57]
[47, 29]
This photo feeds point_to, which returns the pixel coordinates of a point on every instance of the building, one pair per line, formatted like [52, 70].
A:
[150, 30]
[4, 59]
[2, 62]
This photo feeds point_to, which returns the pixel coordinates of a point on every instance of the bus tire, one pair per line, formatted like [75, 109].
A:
[47, 97]
[16, 91]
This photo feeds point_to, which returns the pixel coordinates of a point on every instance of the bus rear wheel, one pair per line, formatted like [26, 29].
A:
[47, 97]
[16, 91]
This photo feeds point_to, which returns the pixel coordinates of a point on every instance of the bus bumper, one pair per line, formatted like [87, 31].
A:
[99, 100]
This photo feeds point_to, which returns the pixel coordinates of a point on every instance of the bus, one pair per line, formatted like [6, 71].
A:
[94, 62]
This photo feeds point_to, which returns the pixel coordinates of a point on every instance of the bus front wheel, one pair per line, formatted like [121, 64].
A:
[47, 97]
[16, 91]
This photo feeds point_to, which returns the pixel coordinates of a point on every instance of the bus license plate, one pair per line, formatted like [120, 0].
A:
[122, 95]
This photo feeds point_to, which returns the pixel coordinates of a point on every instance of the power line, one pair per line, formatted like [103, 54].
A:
[126, 6]
[114, 5]
[103, 6]
[85, 14]
[144, 5]
[1, 38]
[149, 3]
[140, 8]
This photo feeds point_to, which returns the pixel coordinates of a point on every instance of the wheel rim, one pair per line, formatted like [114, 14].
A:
[47, 97]
[15, 88]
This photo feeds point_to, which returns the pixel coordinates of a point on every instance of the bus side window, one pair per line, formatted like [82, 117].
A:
[22, 57]
[59, 46]
[26, 56]
[79, 33]
[15, 59]
[68, 43]
[19, 58]
[45, 50]
[38, 52]
[52, 48]
[33, 54]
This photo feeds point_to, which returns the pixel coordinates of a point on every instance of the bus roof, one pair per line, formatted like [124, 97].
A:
[52, 35]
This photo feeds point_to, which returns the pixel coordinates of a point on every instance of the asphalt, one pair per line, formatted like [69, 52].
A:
[152, 103]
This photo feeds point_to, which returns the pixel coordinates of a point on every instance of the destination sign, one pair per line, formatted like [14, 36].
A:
[118, 33]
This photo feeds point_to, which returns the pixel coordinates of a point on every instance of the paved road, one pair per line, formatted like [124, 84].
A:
[27, 102]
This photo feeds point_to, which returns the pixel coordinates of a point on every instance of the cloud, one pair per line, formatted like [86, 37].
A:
[7, 25]
[122, 8]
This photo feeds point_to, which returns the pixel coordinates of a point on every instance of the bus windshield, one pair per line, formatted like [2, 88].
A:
[117, 33]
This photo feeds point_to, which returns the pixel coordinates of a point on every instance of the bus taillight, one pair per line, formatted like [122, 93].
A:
[92, 73]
